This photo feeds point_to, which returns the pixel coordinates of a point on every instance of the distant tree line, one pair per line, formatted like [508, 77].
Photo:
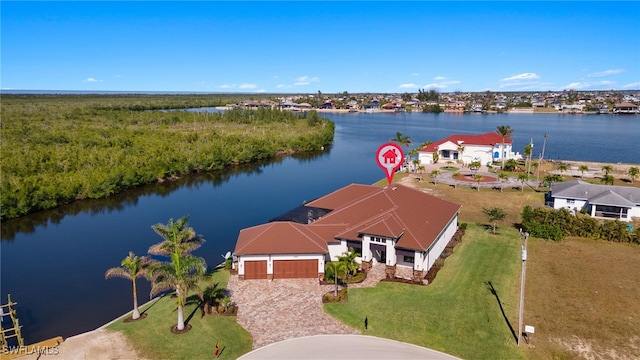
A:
[56, 150]
[555, 224]
[430, 95]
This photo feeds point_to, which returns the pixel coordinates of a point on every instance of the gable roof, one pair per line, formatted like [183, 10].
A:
[625, 196]
[486, 139]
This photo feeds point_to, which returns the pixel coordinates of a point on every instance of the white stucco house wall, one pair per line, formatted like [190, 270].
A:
[600, 201]
[486, 148]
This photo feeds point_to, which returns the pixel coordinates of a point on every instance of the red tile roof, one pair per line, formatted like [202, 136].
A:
[395, 211]
[413, 217]
[487, 139]
[279, 237]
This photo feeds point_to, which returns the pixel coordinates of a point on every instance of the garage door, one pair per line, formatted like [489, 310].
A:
[255, 270]
[293, 269]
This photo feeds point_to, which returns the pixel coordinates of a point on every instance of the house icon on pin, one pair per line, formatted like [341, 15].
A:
[390, 156]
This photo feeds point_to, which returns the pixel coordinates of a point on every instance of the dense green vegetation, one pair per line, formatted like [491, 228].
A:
[56, 149]
[556, 224]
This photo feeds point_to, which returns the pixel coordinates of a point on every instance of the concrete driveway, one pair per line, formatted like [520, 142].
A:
[344, 347]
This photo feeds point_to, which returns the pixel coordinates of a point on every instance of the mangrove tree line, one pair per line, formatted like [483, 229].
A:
[57, 149]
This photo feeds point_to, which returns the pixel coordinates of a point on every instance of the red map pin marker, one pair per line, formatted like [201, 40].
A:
[389, 157]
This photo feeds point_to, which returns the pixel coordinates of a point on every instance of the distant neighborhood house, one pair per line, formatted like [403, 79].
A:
[599, 201]
[484, 148]
[395, 225]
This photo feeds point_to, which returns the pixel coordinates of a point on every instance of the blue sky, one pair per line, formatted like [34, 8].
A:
[306, 47]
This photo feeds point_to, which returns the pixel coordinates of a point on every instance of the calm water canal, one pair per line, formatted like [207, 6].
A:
[53, 262]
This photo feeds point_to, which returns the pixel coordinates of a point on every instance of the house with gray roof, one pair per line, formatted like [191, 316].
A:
[600, 201]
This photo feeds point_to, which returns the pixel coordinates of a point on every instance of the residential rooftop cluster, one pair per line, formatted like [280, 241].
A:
[569, 101]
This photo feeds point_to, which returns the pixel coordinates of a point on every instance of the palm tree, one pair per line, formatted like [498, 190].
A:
[506, 132]
[178, 238]
[582, 169]
[349, 260]
[503, 177]
[456, 174]
[461, 151]
[478, 178]
[527, 152]
[335, 269]
[421, 169]
[607, 179]
[607, 169]
[182, 274]
[633, 173]
[401, 139]
[184, 271]
[434, 175]
[523, 177]
[551, 178]
[131, 268]
[562, 167]
[475, 165]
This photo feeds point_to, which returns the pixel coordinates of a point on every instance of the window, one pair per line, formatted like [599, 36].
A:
[571, 201]
[378, 239]
[408, 259]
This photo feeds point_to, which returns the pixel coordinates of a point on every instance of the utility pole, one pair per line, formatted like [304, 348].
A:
[544, 144]
[524, 273]
[530, 155]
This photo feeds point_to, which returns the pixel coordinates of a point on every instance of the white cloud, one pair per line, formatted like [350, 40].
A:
[441, 83]
[408, 86]
[435, 86]
[261, 91]
[633, 85]
[590, 85]
[92, 80]
[576, 85]
[227, 86]
[248, 86]
[117, 76]
[415, 74]
[606, 73]
[306, 80]
[523, 76]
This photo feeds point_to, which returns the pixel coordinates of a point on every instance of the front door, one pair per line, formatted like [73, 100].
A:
[379, 252]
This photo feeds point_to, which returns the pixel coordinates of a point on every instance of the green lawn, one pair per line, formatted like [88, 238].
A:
[153, 339]
[457, 313]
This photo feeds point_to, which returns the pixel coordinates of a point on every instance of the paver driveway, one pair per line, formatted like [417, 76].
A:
[282, 309]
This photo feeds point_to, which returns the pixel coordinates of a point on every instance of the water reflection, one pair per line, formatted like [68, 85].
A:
[29, 224]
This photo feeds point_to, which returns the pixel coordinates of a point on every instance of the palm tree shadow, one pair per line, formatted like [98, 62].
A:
[152, 305]
[193, 299]
[495, 293]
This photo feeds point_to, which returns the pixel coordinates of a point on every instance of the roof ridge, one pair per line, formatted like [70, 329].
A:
[304, 231]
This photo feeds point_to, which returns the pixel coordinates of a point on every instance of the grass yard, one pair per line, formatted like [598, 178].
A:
[582, 297]
[152, 337]
[457, 313]
[581, 294]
